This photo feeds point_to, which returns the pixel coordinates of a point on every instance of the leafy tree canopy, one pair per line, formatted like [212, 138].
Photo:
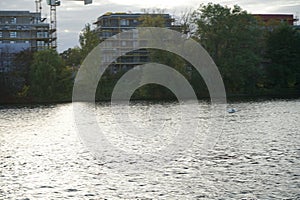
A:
[88, 40]
[49, 79]
[283, 49]
[231, 36]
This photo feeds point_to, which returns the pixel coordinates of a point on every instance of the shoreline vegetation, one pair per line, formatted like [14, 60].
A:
[229, 98]
[256, 59]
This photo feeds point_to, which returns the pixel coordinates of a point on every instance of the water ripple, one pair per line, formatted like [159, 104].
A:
[256, 157]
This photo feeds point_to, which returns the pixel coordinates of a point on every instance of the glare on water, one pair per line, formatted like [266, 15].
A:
[257, 155]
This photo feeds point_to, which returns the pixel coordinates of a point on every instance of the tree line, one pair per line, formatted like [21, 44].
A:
[254, 58]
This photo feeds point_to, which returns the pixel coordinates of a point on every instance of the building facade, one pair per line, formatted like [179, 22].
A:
[21, 30]
[273, 19]
[111, 24]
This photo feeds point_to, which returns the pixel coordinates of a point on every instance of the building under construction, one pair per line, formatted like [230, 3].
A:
[21, 30]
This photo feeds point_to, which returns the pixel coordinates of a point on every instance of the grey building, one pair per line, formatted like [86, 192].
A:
[21, 30]
[110, 24]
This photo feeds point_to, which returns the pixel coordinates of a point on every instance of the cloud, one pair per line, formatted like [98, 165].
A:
[73, 15]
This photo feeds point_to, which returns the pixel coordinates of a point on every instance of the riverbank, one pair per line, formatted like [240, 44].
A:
[10, 100]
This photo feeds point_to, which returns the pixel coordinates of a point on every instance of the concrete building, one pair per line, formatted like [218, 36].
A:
[111, 24]
[21, 30]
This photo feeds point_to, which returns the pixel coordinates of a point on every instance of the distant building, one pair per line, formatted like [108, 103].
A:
[271, 19]
[21, 30]
[111, 24]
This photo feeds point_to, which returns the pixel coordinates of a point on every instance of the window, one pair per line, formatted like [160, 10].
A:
[106, 34]
[0, 41]
[13, 20]
[13, 34]
[40, 43]
[27, 42]
[12, 42]
[124, 22]
[1, 34]
[42, 34]
[135, 35]
[135, 44]
[39, 34]
[113, 22]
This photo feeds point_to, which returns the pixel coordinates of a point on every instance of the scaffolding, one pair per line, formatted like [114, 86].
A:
[38, 4]
[21, 30]
[53, 22]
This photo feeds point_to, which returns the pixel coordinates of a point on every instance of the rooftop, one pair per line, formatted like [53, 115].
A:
[15, 13]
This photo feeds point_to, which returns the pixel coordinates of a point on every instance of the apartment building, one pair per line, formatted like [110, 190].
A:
[21, 30]
[110, 24]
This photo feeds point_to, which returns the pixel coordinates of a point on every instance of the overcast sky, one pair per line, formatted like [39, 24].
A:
[73, 15]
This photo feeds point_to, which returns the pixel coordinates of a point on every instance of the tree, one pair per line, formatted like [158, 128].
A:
[184, 22]
[156, 19]
[49, 79]
[13, 80]
[22, 62]
[152, 20]
[230, 35]
[88, 40]
[283, 49]
[72, 56]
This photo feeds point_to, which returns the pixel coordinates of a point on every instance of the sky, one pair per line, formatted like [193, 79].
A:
[73, 15]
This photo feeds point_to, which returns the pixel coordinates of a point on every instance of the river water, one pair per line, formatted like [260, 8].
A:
[257, 156]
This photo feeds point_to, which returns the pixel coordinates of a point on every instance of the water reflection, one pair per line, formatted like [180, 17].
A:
[257, 156]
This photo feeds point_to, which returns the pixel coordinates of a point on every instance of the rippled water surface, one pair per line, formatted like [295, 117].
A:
[257, 156]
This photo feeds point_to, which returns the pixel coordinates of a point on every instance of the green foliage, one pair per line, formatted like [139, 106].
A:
[231, 36]
[6, 88]
[13, 81]
[155, 19]
[22, 62]
[72, 56]
[24, 92]
[49, 79]
[106, 85]
[283, 49]
[152, 21]
[168, 59]
[154, 91]
[10, 83]
[236, 41]
[88, 40]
